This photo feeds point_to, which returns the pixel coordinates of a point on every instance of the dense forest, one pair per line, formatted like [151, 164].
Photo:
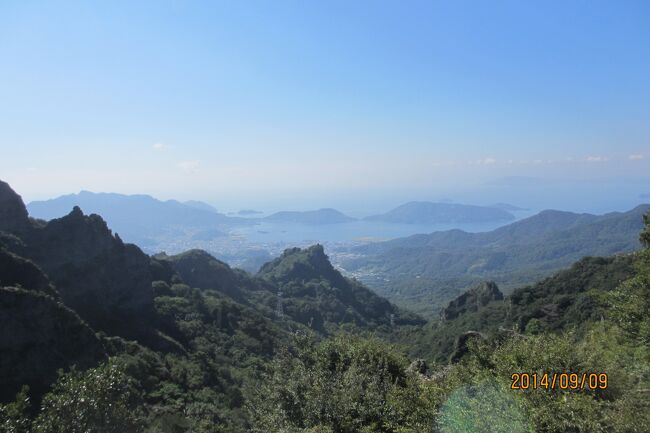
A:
[96, 336]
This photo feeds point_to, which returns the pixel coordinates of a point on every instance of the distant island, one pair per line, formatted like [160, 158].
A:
[424, 212]
[320, 216]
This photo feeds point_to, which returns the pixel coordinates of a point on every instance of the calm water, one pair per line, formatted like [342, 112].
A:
[355, 231]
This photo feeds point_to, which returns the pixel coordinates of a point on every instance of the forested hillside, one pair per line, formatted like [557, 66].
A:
[424, 272]
[564, 301]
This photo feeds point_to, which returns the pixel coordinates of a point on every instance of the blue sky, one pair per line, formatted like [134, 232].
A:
[280, 102]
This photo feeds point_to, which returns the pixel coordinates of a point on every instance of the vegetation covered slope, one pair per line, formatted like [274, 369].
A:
[425, 272]
[563, 301]
[314, 292]
[187, 329]
[355, 385]
[38, 336]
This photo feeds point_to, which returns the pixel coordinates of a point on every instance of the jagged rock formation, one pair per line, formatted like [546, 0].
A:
[107, 282]
[13, 214]
[297, 264]
[472, 300]
[461, 345]
[419, 366]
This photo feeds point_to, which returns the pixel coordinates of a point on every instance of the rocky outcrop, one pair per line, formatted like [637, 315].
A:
[461, 345]
[472, 300]
[38, 336]
[418, 366]
[302, 265]
[107, 282]
[13, 214]
[103, 279]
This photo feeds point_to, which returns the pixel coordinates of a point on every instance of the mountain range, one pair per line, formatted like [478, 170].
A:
[141, 219]
[426, 271]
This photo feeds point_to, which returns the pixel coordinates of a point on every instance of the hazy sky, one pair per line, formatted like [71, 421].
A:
[244, 101]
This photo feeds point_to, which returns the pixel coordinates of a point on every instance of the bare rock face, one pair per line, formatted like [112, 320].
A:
[461, 345]
[38, 336]
[419, 366]
[13, 214]
[472, 300]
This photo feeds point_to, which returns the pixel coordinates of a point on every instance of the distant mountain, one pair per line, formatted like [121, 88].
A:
[140, 219]
[426, 271]
[200, 205]
[424, 212]
[320, 216]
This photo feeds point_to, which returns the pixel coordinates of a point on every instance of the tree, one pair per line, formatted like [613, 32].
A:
[14, 416]
[100, 400]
